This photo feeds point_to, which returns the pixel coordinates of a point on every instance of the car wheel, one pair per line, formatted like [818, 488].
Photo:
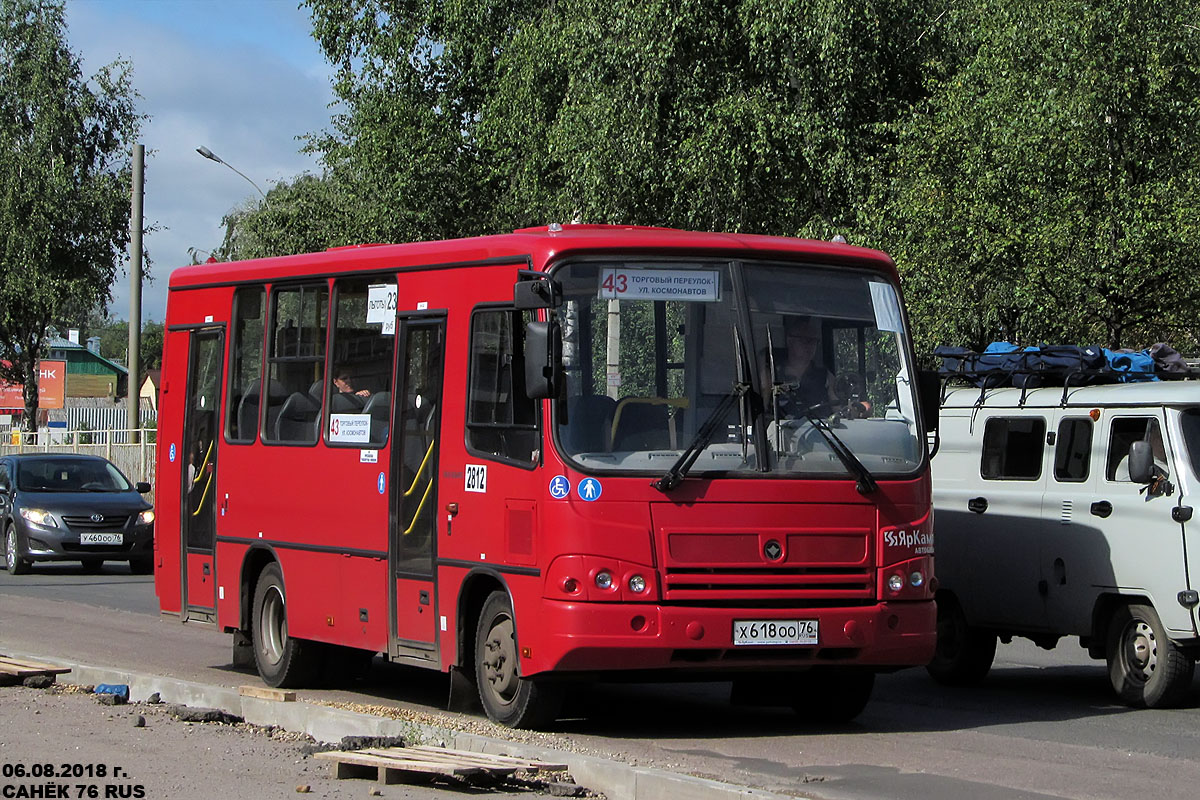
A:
[281, 660]
[507, 697]
[14, 561]
[1146, 668]
[141, 565]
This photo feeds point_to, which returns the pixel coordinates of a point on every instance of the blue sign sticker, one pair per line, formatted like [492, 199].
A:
[381, 483]
[172, 453]
[560, 487]
[589, 489]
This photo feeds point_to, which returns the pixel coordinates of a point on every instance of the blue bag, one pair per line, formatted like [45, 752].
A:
[1131, 366]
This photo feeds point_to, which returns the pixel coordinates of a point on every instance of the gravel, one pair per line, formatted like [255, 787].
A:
[144, 750]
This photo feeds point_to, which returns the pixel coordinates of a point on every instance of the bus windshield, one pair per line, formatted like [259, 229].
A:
[816, 358]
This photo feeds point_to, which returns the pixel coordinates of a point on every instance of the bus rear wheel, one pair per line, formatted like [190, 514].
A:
[508, 698]
[1146, 668]
[282, 661]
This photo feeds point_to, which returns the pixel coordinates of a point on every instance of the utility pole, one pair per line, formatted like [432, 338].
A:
[134, 417]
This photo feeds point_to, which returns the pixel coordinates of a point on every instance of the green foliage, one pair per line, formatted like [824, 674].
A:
[64, 183]
[1032, 167]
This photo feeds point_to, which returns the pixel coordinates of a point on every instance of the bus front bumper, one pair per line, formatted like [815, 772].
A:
[606, 637]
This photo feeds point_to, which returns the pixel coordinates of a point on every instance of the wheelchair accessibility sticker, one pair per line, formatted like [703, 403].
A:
[560, 487]
[589, 489]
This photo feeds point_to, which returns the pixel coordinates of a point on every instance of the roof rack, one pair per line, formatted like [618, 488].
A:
[1003, 364]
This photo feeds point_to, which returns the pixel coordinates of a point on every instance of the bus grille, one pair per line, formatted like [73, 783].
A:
[737, 586]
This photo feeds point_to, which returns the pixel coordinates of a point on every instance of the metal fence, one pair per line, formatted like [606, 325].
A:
[131, 450]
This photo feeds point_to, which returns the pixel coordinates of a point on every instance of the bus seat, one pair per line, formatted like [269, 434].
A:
[298, 419]
[346, 403]
[590, 419]
[247, 415]
[379, 406]
[646, 423]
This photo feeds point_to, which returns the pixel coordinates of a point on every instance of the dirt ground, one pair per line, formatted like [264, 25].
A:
[139, 750]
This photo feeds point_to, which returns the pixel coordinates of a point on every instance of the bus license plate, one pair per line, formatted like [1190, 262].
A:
[774, 631]
[101, 538]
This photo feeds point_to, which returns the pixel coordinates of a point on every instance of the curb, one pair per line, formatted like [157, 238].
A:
[616, 780]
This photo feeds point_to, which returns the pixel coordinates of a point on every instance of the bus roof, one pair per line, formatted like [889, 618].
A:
[537, 246]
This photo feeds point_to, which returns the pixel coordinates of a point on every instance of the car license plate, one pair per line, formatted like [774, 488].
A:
[774, 631]
[101, 538]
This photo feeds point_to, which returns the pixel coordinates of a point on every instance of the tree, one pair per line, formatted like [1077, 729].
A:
[64, 184]
[1047, 190]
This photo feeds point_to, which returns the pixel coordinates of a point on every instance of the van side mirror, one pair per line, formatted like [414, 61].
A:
[543, 359]
[929, 394]
[1141, 462]
[142, 487]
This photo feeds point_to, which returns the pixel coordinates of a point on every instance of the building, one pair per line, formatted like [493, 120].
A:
[89, 374]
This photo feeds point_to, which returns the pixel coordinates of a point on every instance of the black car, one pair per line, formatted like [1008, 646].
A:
[67, 507]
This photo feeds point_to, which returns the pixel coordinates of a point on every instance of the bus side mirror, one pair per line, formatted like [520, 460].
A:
[1141, 462]
[534, 290]
[543, 359]
[929, 391]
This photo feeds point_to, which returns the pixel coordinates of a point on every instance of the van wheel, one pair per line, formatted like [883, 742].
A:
[964, 654]
[281, 660]
[832, 696]
[1146, 668]
[141, 565]
[14, 562]
[507, 697]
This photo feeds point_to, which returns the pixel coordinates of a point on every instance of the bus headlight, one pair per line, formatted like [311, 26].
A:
[916, 579]
[603, 580]
[895, 582]
[637, 584]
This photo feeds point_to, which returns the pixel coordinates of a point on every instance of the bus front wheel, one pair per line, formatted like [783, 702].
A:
[508, 698]
[282, 661]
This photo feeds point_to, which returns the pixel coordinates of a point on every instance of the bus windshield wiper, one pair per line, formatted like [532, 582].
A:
[864, 481]
[687, 458]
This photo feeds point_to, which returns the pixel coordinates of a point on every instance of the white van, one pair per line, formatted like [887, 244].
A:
[1066, 512]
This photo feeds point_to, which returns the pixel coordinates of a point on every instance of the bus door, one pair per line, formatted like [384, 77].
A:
[413, 518]
[201, 432]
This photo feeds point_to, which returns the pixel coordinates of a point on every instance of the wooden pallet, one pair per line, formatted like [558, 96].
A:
[402, 764]
[21, 668]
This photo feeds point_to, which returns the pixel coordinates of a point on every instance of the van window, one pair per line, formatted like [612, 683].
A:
[1124, 432]
[1073, 450]
[1190, 422]
[1012, 448]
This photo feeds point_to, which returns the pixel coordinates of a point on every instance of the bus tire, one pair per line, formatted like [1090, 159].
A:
[282, 661]
[832, 695]
[508, 698]
[963, 655]
[1145, 667]
[14, 562]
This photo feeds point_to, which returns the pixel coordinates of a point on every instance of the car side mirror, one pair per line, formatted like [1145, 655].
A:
[1141, 462]
[142, 487]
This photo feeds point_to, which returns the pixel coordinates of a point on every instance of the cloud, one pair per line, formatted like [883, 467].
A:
[205, 80]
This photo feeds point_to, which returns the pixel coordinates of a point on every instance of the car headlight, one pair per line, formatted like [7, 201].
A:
[39, 517]
[146, 517]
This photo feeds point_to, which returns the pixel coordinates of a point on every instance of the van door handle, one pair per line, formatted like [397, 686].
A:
[977, 504]
[1102, 508]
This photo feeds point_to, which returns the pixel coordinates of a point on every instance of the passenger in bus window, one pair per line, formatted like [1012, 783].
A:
[345, 384]
[801, 382]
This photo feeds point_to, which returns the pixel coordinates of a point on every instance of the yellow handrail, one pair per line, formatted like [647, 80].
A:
[420, 469]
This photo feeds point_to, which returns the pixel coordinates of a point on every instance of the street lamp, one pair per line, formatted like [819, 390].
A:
[211, 156]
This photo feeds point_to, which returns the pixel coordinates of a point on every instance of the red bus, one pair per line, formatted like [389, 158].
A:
[575, 452]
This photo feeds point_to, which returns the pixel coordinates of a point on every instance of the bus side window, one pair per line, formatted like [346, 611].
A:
[501, 419]
[245, 373]
[360, 379]
[295, 360]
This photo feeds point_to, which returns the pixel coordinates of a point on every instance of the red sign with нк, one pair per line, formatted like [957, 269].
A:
[52, 383]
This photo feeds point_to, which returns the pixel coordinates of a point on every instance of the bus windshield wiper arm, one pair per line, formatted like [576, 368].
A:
[679, 469]
[864, 481]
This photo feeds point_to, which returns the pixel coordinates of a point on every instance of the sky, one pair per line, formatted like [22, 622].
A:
[243, 78]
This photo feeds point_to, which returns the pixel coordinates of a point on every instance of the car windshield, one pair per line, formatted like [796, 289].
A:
[653, 349]
[69, 475]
